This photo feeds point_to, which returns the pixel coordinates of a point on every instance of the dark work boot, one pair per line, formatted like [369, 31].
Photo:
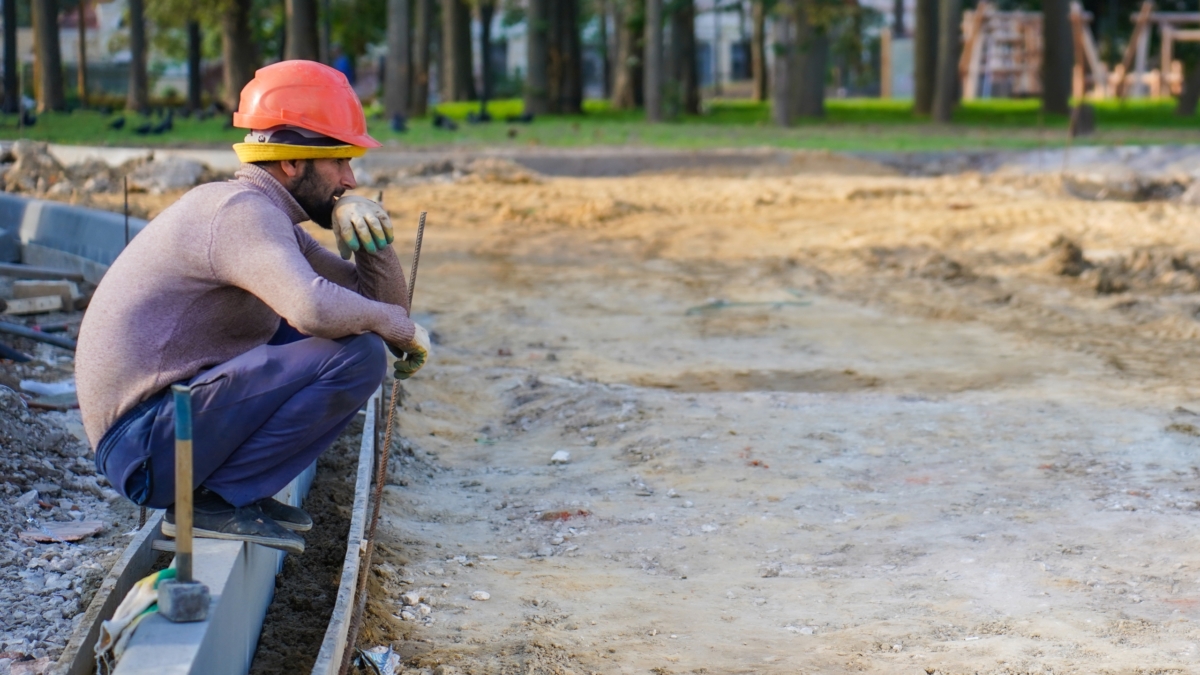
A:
[291, 517]
[215, 518]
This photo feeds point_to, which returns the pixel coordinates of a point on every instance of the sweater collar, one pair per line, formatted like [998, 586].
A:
[258, 178]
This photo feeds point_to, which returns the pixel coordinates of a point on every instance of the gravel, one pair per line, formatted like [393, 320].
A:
[47, 475]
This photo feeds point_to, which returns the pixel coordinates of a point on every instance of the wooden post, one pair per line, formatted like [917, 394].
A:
[1167, 35]
[1139, 63]
[1078, 76]
[971, 61]
[885, 62]
[1139, 26]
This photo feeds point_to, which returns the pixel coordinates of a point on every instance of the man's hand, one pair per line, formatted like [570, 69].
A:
[359, 223]
[418, 354]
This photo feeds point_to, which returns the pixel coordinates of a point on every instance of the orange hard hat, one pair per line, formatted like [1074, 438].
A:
[304, 94]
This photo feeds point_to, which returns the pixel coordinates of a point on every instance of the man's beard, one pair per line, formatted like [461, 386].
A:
[316, 199]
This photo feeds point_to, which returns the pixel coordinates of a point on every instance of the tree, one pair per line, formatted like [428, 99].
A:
[397, 71]
[946, 86]
[194, 60]
[138, 96]
[456, 80]
[302, 38]
[564, 66]
[81, 56]
[653, 78]
[627, 81]
[602, 40]
[12, 97]
[487, 9]
[237, 49]
[925, 43]
[537, 57]
[49, 70]
[758, 51]
[801, 60]
[1058, 56]
[422, 28]
[683, 89]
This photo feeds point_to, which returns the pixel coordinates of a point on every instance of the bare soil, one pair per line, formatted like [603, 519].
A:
[816, 424]
[821, 423]
[306, 590]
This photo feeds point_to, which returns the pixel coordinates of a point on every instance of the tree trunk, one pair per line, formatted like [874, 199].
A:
[302, 36]
[455, 77]
[237, 49]
[422, 26]
[898, 28]
[564, 63]
[81, 83]
[684, 87]
[812, 63]
[138, 98]
[1058, 56]
[783, 110]
[537, 57]
[653, 43]
[758, 50]
[396, 85]
[486, 11]
[925, 56]
[945, 90]
[12, 79]
[1190, 96]
[195, 81]
[627, 82]
[49, 56]
[602, 38]
[325, 51]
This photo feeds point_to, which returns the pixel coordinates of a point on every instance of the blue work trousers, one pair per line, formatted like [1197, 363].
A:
[258, 419]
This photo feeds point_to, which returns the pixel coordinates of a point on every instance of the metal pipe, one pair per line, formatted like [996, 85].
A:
[22, 331]
[183, 482]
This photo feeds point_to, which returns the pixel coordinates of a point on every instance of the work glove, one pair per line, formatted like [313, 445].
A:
[359, 223]
[418, 353]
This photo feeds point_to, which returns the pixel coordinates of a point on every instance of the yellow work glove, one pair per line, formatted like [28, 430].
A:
[418, 353]
[359, 223]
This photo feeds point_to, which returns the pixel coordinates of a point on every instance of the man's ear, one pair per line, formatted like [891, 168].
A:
[290, 167]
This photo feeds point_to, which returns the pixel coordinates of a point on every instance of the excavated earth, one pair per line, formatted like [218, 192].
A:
[827, 421]
[816, 424]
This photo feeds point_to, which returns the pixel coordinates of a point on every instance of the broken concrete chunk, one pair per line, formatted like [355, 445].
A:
[52, 532]
[166, 174]
[560, 457]
[67, 290]
[481, 596]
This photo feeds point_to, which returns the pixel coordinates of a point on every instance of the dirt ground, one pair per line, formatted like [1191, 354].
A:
[816, 424]
[830, 422]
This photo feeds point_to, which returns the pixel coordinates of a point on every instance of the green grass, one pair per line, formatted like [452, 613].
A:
[850, 125]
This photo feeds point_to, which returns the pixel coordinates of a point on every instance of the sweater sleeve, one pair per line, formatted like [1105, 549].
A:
[377, 276]
[252, 246]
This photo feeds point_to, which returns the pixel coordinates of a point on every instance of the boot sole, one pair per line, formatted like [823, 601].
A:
[168, 530]
[294, 527]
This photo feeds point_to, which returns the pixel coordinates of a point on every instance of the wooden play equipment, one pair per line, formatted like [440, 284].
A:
[1002, 54]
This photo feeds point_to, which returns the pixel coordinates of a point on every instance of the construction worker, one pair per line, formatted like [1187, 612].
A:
[281, 340]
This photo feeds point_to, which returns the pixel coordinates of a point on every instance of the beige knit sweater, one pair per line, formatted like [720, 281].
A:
[208, 279]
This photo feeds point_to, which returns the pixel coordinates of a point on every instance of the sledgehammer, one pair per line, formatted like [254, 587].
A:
[183, 599]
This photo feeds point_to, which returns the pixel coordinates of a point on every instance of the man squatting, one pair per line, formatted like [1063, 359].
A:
[281, 340]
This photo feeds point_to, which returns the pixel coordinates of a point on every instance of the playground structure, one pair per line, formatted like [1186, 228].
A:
[1002, 54]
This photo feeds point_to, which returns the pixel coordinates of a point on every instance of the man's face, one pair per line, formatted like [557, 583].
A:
[318, 186]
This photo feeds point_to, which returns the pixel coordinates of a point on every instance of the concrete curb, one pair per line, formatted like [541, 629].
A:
[59, 235]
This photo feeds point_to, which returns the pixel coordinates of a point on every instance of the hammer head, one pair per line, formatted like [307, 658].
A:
[183, 601]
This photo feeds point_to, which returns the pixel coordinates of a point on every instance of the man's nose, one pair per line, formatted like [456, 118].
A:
[348, 181]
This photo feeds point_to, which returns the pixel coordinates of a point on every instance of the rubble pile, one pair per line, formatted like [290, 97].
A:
[48, 487]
